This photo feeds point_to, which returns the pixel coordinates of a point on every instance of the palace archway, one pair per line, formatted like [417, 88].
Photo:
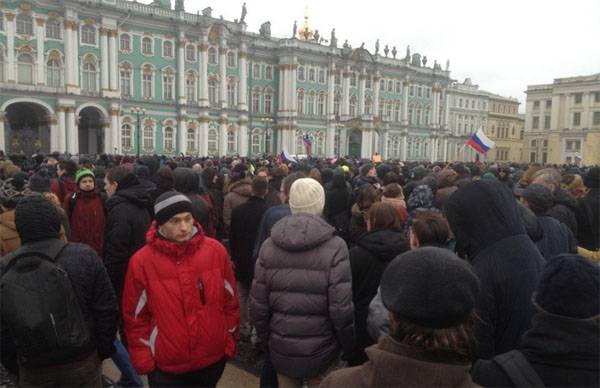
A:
[27, 129]
[91, 131]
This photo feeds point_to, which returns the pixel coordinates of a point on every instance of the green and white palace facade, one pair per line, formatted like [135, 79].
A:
[118, 76]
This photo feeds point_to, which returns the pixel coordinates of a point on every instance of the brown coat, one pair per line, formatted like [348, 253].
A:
[9, 238]
[392, 364]
[239, 193]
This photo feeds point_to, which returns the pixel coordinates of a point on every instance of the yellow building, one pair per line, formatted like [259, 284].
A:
[504, 127]
[562, 121]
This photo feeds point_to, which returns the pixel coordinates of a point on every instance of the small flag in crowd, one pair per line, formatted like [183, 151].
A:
[284, 157]
[480, 142]
[307, 144]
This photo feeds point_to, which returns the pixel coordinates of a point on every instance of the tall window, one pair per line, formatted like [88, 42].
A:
[418, 121]
[213, 139]
[1, 66]
[256, 71]
[368, 105]
[125, 42]
[148, 138]
[191, 140]
[231, 143]
[53, 29]
[24, 24]
[147, 77]
[300, 143]
[88, 34]
[426, 119]
[336, 105]
[125, 81]
[168, 84]
[382, 85]
[190, 87]
[268, 102]
[231, 94]
[167, 49]
[53, 73]
[190, 52]
[88, 83]
[168, 141]
[212, 92]
[301, 74]
[126, 137]
[269, 73]
[410, 114]
[321, 105]
[310, 106]
[311, 75]
[147, 46]
[397, 112]
[353, 106]
[337, 78]
[25, 69]
[398, 87]
[231, 59]
[300, 107]
[1, 21]
[255, 101]
[381, 107]
[255, 142]
[212, 56]
[353, 79]
[390, 86]
[368, 82]
[320, 144]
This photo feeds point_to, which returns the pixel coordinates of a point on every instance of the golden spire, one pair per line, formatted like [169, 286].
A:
[306, 33]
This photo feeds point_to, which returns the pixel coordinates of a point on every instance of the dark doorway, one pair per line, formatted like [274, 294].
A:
[91, 131]
[354, 143]
[28, 130]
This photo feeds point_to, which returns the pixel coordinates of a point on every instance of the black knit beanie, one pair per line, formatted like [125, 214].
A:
[36, 219]
[569, 286]
[169, 204]
[430, 287]
[40, 181]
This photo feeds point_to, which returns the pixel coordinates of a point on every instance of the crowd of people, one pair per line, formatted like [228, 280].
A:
[344, 272]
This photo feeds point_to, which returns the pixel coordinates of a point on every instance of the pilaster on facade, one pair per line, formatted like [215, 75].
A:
[40, 36]
[182, 131]
[223, 75]
[375, 107]
[346, 93]
[181, 99]
[223, 121]
[203, 69]
[405, 87]
[10, 45]
[243, 65]
[243, 135]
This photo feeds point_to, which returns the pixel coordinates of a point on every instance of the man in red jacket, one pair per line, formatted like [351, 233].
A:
[180, 304]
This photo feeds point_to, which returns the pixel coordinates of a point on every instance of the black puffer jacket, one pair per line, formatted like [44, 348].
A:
[127, 222]
[368, 259]
[489, 229]
[92, 288]
[588, 220]
[564, 208]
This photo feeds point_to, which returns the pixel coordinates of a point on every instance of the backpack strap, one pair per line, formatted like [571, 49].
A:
[518, 369]
[52, 253]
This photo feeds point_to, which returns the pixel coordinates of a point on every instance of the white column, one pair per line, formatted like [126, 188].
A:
[114, 130]
[113, 60]
[10, 45]
[361, 94]
[433, 118]
[105, 84]
[346, 92]
[203, 74]
[293, 79]
[384, 145]
[375, 84]
[223, 135]
[68, 53]
[62, 130]
[41, 63]
[445, 150]
[366, 144]
[446, 111]
[405, 86]
[554, 119]
[72, 135]
[2, 135]
[75, 54]
[330, 140]
[53, 134]
[182, 132]
[243, 92]
[433, 149]
[243, 136]
[404, 147]
[223, 75]
[181, 69]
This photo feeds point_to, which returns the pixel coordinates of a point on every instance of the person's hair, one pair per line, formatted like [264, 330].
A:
[364, 170]
[260, 186]
[547, 176]
[383, 215]
[117, 173]
[367, 196]
[390, 177]
[393, 190]
[459, 339]
[263, 169]
[289, 180]
[315, 174]
[430, 228]
[69, 166]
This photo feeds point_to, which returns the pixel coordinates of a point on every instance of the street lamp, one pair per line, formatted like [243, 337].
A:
[266, 121]
[139, 113]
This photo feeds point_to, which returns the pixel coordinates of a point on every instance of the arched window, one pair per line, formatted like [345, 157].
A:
[352, 106]
[53, 73]
[310, 106]
[368, 105]
[256, 101]
[190, 87]
[320, 144]
[411, 109]
[390, 86]
[380, 107]
[388, 111]
[213, 97]
[88, 34]
[190, 52]
[311, 75]
[426, 118]
[418, 118]
[300, 107]
[382, 85]
[167, 49]
[231, 93]
[125, 79]
[168, 140]
[126, 137]
[268, 73]
[268, 101]
[213, 58]
[301, 73]
[321, 105]
[191, 140]
[213, 139]
[147, 81]
[255, 142]
[25, 68]
[300, 143]
[24, 24]
[231, 140]
[336, 104]
[321, 76]
[148, 138]
[88, 81]
[397, 111]
[53, 29]
[147, 46]
[125, 42]
[168, 77]
[231, 59]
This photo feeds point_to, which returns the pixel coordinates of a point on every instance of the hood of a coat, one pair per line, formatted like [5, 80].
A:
[300, 232]
[242, 187]
[174, 250]
[185, 180]
[7, 219]
[530, 222]
[482, 213]
[562, 197]
[384, 244]
[138, 195]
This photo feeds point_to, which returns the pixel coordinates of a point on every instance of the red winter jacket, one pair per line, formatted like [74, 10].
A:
[180, 304]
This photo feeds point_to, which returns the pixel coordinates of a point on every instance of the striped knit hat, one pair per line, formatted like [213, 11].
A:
[169, 204]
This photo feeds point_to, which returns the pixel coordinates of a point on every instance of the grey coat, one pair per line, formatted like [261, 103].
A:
[301, 296]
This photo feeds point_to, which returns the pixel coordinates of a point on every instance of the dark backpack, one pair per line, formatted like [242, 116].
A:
[518, 369]
[41, 311]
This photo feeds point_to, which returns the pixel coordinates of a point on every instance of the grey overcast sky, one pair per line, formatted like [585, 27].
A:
[502, 45]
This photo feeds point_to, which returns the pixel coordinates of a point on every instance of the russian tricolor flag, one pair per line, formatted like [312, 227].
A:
[284, 157]
[480, 142]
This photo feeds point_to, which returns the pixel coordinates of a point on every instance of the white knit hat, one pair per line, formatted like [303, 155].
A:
[307, 196]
